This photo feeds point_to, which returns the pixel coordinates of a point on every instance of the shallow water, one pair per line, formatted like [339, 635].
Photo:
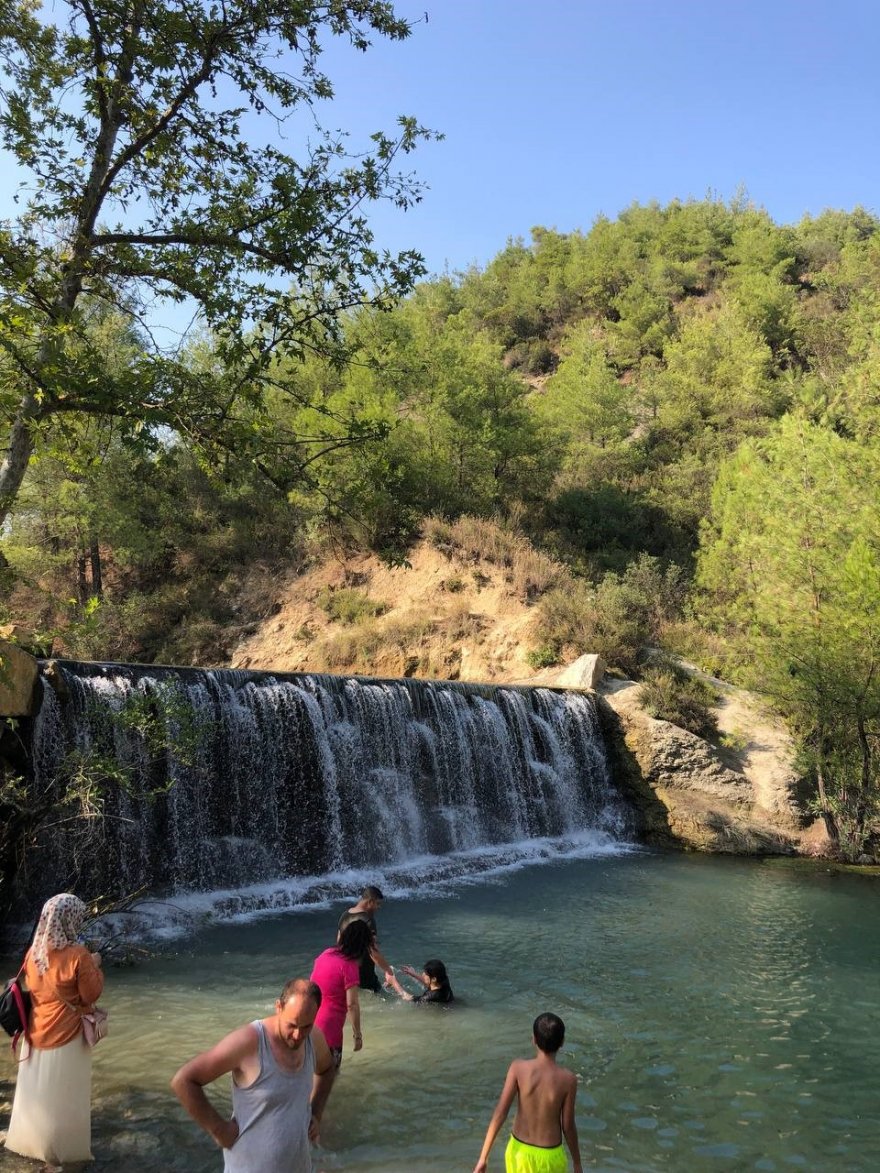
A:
[721, 1015]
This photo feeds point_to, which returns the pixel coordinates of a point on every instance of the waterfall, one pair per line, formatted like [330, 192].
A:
[288, 776]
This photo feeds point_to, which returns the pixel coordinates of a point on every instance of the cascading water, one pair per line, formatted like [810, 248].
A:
[313, 776]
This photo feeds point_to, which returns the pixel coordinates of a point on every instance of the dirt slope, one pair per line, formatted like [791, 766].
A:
[444, 617]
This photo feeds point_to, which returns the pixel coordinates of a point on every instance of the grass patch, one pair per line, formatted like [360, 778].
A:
[528, 571]
[349, 605]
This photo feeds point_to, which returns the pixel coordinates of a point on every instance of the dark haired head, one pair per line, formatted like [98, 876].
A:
[371, 892]
[549, 1033]
[436, 970]
[355, 940]
[301, 987]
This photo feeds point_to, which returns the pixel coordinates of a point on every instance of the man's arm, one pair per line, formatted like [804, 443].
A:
[569, 1128]
[508, 1095]
[189, 1082]
[379, 957]
[321, 1083]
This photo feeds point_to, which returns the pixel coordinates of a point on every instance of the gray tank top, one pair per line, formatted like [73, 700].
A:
[273, 1116]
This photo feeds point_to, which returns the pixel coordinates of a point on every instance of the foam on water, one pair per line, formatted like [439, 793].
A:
[427, 877]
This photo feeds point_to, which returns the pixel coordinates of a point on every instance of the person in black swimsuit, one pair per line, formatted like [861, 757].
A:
[433, 978]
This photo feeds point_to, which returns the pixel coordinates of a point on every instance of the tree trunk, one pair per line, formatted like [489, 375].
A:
[865, 780]
[82, 587]
[18, 454]
[828, 818]
[95, 560]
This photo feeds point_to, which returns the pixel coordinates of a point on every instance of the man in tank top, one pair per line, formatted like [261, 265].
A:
[365, 910]
[282, 1072]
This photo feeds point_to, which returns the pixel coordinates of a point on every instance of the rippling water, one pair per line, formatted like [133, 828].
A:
[721, 1015]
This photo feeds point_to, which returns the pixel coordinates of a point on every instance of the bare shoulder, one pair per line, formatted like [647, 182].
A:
[569, 1079]
[235, 1047]
[233, 1050]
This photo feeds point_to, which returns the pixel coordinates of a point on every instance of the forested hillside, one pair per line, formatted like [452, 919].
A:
[679, 409]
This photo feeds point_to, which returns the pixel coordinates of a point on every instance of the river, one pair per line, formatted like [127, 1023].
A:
[722, 1014]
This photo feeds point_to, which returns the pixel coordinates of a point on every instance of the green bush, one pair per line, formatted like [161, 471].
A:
[453, 585]
[617, 618]
[348, 605]
[544, 656]
[671, 694]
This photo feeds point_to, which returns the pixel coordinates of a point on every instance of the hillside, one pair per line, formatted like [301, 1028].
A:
[661, 404]
[445, 616]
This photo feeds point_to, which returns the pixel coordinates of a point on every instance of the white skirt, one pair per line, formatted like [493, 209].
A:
[52, 1112]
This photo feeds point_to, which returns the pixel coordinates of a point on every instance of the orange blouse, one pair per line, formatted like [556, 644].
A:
[72, 977]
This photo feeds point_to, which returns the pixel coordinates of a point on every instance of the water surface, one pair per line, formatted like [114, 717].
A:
[721, 1015]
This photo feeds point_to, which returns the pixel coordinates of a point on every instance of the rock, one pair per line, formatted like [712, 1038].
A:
[18, 682]
[53, 677]
[683, 791]
[25, 639]
[584, 672]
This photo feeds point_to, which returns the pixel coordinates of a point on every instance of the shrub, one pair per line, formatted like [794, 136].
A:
[544, 656]
[671, 694]
[348, 605]
[452, 585]
[617, 618]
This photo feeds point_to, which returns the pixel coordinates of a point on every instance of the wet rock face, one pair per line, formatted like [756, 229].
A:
[686, 794]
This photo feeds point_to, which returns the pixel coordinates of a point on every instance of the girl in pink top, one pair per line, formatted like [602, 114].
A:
[336, 971]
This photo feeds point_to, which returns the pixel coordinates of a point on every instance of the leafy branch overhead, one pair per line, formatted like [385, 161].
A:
[148, 136]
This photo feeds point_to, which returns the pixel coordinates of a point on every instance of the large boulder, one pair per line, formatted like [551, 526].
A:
[584, 672]
[683, 790]
[18, 681]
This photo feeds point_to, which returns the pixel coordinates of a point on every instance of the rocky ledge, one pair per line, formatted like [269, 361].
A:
[738, 795]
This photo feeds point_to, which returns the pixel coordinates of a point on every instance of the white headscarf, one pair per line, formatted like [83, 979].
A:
[60, 921]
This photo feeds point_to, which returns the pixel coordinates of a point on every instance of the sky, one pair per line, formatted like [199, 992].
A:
[556, 111]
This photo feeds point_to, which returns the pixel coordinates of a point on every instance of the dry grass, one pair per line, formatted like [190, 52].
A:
[473, 539]
[421, 636]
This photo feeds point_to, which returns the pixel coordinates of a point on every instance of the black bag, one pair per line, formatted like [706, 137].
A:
[15, 1009]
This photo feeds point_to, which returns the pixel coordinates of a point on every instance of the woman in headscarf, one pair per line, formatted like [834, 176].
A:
[52, 1112]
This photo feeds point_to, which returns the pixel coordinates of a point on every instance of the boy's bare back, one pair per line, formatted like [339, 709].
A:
[542, 1090]
[544, 1095]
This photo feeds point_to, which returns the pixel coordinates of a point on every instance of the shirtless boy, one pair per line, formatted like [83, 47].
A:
[545, 1108]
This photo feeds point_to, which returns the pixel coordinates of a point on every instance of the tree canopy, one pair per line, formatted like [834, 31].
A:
[147, 135]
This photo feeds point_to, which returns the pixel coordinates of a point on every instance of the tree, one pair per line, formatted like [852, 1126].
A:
[146, 182]
[791, 562]
[585, 397]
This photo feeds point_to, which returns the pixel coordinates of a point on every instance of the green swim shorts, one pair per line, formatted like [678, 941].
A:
[520, 1157]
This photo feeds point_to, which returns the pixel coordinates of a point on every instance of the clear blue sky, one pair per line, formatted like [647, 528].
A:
[558, 110]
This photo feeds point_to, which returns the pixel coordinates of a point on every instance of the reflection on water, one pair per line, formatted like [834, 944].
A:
[721, 1014]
